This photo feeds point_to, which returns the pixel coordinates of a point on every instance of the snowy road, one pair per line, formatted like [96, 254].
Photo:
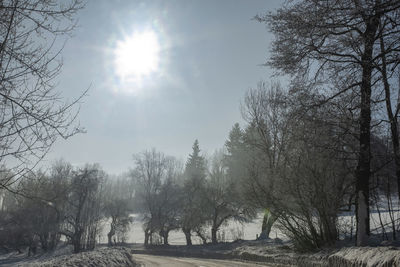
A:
[151, 260]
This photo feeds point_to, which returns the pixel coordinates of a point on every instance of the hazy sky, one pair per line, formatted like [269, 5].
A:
[208, 54]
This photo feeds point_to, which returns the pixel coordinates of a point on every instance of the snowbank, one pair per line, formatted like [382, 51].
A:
[101, 257]
[366, 256]
[384, 256]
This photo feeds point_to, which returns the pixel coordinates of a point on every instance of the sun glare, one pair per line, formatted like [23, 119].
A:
[137, 56]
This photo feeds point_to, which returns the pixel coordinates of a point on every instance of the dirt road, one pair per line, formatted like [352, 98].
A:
[151, 260]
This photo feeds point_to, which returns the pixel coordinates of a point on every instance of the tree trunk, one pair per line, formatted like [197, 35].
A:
[77, 245]
[165, 237]
[76, 240]
[54, 238]
[268, 221]
[110, 235]
[146, 237]
[214, 235]
[364, 160]
[188, 236]
[329, 229]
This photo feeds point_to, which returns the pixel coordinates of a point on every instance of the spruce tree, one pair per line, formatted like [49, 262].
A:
[193, 215]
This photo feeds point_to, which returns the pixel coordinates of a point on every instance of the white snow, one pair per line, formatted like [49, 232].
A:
[366, 256]
[110, 257]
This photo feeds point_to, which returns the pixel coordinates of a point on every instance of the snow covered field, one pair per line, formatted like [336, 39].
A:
[248, 231]
[230, 232]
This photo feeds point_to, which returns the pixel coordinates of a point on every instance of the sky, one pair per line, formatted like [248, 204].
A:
[206, 55]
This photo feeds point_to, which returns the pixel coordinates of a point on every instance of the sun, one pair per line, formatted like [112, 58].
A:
[137, 56]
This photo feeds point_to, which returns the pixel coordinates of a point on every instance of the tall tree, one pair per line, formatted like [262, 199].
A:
[333, 45]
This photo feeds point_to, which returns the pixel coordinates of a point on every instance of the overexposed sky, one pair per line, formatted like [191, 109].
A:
[208, 54]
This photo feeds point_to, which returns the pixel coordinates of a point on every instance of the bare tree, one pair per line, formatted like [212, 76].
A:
[157, 193]
[33, 112]
[266, 140]
[222, 201]
[296, 164]
[83, 210]
[62, 202]
[37, 219]
[116, 207]
[117, 210]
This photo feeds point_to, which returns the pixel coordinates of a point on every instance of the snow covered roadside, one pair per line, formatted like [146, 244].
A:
[366, 256]
[280, 254]
[111, 257]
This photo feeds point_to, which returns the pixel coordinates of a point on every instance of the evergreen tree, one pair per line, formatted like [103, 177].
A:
[235, 156]
[195, 176]
[195, 168]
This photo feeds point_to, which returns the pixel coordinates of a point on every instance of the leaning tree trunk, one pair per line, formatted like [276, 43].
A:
[364, 160]
[202, 236]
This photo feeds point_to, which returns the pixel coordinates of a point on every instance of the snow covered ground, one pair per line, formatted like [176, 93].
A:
[230, 232]
[110, 257]
[366, 256]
